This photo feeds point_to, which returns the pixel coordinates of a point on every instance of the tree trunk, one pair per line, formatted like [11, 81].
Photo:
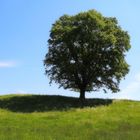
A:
[82, 97]
[82, 94]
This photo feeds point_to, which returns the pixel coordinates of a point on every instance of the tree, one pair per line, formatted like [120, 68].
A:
[87, 53]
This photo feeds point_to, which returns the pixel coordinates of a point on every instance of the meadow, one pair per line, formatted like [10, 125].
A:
[43, 117]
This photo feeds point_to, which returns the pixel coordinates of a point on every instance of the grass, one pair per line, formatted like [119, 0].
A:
[36, 117]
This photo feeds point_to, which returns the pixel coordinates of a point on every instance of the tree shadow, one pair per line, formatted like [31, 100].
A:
[42, 103]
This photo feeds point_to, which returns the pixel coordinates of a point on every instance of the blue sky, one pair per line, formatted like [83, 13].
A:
[24, 31]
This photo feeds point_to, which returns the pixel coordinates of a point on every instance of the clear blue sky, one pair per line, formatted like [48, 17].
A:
[24, 31]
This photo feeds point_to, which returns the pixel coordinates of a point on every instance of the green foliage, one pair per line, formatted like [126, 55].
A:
[117, 121]
[87, 52]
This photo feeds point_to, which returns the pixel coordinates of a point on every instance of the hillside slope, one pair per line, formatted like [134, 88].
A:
[36, 117]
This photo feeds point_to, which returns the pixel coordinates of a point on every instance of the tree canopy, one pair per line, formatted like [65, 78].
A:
[87, 52]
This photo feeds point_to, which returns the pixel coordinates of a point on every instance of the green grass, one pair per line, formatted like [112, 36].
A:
[36, 117]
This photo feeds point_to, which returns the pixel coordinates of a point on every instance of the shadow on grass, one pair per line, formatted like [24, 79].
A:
[42, 103]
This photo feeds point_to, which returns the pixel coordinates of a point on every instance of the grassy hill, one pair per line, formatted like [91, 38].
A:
[40, 117]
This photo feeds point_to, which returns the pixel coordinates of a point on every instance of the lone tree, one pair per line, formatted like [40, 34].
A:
[87, 52]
